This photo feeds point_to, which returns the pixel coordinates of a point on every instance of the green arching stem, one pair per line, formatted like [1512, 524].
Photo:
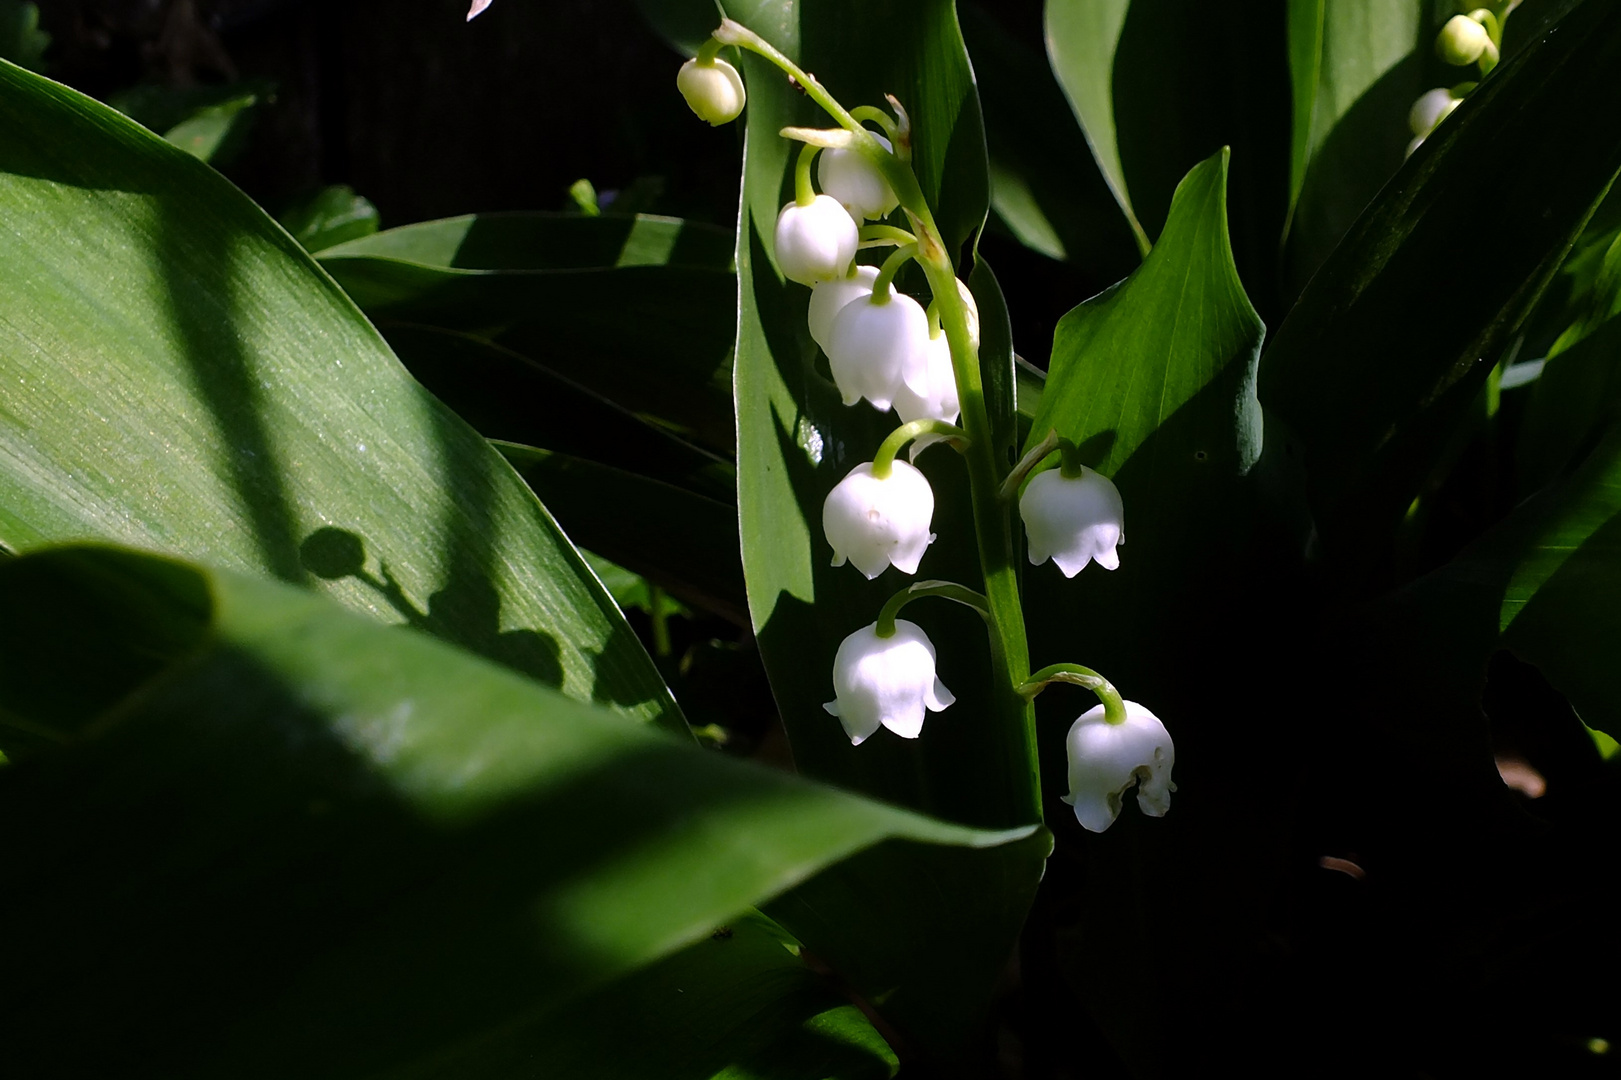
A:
[877, 116]
[708, 51]
[804, 192]
[993, 529]
[883, 462]
[948, 590]
[933, 312]
[887, 272]
[1071, 458]
[1038, 453]
[886, 234]
[1114, 709]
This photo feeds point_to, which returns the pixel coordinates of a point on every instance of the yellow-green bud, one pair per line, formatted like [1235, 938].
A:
[1463, 41]
[713, 90]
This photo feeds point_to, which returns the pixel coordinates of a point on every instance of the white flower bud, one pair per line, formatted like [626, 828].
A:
[886, 682]
[714, 91]
[1430, 109]
[1105, 759]
[1462, 41]
[856, 182]
[816, 242]
[829, 297]
[1073, 521]
[874, 349]
[939, 399]
[878, 523]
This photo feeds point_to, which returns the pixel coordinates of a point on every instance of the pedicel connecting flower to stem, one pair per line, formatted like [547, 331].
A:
[884, 347]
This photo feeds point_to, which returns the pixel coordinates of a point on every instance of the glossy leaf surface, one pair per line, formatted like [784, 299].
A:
[274, 837]
[1382, 356]
[182, 377]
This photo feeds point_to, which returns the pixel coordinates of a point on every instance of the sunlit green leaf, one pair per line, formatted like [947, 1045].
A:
[183, 378]
[329, 217]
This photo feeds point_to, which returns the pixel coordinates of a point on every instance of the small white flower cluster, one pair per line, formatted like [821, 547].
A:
[884, 348]
[1464, 40]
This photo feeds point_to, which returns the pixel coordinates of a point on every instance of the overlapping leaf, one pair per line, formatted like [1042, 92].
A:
[268, 837]
[180, 376]
[1389, 345]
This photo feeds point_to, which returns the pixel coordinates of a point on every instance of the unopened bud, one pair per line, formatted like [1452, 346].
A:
[1463, 41]
[1430, 109]
[713, 90]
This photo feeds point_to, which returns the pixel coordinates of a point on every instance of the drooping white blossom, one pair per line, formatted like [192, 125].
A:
[478, 6]
[874, 348]
[1073, 520]
[886, 682]
[829, 297]
[938, 402]
[714, 91]
[856, 182]
[1430, 109]
[816, 242]
[1107, 759]
[877, 523]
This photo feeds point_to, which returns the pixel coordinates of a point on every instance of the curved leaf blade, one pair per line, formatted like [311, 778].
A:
[183, 378]
[1371, 370]
[306, 843]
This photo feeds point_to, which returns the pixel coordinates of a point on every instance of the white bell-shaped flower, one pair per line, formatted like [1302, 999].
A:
[856, 182]
[1463, 41]
[875, 348]
[938, 402]
[1073, 520]
[879, 523]
[1106, 759]
[886, 682]
[1430, 109]
[829, 297]
[714, 90]
[816, 242]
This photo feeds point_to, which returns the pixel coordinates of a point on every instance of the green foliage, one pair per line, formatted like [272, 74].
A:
[361, 851]
[331, 216]
[196, 386]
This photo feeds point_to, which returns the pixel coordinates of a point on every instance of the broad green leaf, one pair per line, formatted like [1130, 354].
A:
[1356, 68]
[276, 838]
[796, 441]
[182, 377]
[678, 539]
[1126, 362]
[330, 217]
[1390, 343]
[1045, 185]
[641, 310]
[1160, 85]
